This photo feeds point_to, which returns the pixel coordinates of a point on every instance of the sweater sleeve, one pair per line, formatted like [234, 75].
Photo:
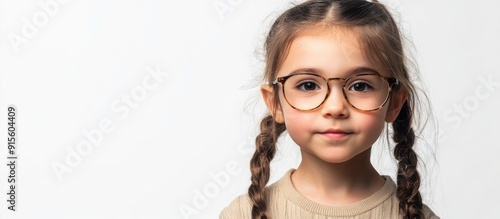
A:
[429, 214]
[239, 208]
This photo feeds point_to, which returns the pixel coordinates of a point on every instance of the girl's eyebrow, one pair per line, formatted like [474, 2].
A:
[306, 70]
[316, 71]
[359, 70]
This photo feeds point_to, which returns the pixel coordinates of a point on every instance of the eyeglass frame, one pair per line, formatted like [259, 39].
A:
[389, 80]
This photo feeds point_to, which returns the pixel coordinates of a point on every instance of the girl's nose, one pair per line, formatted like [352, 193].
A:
[335, 105]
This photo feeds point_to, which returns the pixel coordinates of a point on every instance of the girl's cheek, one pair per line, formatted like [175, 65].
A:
[298, 120]
[371, 124]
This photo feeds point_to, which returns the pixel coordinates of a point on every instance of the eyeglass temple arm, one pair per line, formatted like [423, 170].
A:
[393, 81]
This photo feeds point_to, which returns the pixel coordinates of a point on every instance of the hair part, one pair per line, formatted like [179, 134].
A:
[382, 45]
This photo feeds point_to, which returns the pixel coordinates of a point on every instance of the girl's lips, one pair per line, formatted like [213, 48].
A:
[335, 131]
[335, 134]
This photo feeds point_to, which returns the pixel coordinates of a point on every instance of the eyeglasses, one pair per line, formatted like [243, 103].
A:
[308, 91]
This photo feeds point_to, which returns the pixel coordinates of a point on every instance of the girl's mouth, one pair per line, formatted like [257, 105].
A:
[335, 134]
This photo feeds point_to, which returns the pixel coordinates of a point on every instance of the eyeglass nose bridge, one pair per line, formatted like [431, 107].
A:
[329, 89]
[343, 80]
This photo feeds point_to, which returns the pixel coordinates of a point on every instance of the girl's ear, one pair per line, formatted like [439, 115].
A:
[275, 109]
[395, 106]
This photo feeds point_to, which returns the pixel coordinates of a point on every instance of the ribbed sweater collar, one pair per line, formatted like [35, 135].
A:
[286, 187]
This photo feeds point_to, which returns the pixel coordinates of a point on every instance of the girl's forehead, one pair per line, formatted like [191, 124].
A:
[334, 51]
[337, 39]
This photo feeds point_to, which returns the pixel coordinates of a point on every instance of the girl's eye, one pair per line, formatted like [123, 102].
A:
[308, 86]
[360, 86]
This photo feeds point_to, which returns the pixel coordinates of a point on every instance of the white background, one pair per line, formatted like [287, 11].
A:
[185, 141]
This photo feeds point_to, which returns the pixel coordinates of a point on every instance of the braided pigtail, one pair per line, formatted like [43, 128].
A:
[408, 179]
[265, 142]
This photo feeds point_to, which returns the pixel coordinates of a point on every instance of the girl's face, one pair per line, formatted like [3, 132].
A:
[335, 132]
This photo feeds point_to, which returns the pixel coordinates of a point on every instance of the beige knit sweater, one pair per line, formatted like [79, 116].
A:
[285, 202]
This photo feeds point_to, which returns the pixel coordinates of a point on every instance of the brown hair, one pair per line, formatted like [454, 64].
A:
[382, 43]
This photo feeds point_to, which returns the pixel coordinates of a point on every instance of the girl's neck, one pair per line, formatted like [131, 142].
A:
[336, 184]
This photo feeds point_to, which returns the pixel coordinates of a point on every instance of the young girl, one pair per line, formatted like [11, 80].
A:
[336, 74]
